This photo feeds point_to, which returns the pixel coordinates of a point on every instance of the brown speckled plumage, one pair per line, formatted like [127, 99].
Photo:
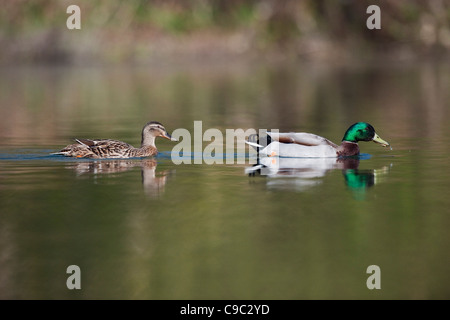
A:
[108, 148]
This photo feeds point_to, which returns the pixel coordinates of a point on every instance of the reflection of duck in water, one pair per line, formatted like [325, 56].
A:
[302, 173]
[153, 182]
[300, 167]
[302, 145]
[107, 148]
[358, 181]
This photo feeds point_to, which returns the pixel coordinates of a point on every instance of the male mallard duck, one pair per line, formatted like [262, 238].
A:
[107, 148]
[308, 145]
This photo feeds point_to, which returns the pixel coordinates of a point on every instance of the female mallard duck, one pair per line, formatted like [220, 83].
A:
[308, 145]
[107, 148]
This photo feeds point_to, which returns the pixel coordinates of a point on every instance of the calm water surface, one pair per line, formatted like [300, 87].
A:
[150, 229]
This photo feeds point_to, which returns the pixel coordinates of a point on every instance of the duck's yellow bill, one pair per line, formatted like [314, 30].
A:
[377, 139]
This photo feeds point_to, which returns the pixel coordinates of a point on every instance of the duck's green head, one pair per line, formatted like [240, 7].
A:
[362, 131]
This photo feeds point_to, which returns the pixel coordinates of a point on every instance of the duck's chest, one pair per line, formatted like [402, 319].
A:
[348, 149]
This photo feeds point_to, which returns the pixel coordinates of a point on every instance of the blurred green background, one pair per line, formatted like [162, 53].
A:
[163, 32]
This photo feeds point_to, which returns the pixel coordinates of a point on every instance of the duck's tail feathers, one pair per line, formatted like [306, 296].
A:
[253, 140]
[59, 153]
[254, 145]
[256, 142]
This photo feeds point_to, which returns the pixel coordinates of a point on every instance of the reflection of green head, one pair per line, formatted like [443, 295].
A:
[359, 181]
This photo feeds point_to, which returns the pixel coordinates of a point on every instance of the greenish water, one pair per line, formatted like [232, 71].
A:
[150, 229]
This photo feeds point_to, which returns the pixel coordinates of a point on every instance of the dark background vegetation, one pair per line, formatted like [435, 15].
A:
[164, 31]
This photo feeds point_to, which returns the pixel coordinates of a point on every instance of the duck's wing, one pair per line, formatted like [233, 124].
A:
[302, 138]
[103, 143]
[106, 148]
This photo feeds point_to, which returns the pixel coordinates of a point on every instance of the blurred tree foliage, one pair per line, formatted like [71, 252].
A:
[37, 28]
